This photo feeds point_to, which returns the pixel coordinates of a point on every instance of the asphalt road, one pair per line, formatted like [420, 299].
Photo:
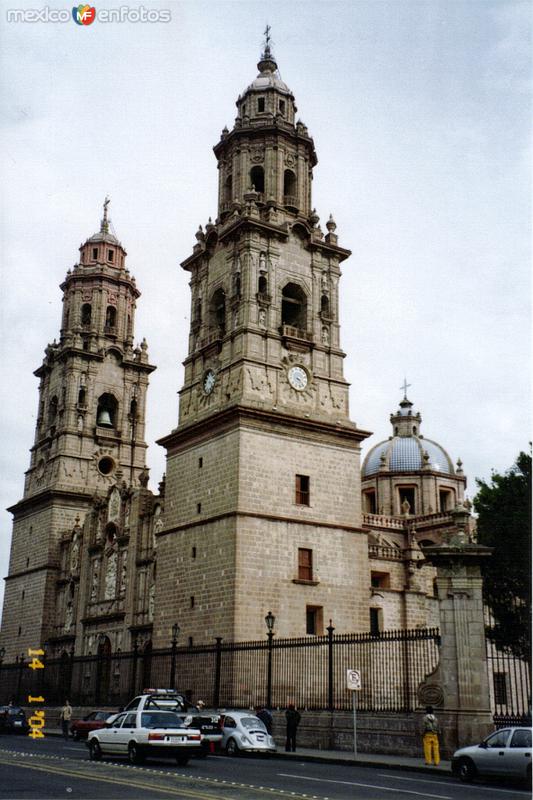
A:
[52, 769]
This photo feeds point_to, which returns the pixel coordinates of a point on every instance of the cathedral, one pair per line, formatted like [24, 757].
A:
[265, 506]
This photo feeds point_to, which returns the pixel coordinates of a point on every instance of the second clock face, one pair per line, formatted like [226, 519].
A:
[298, 378]
[209, 381]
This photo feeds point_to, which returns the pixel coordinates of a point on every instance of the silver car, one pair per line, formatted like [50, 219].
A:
[243, 731]
[505, 753]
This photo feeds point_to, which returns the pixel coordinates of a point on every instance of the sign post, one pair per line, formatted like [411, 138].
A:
[353, 683]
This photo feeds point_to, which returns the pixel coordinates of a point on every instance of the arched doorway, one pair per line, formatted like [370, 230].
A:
[103, 670]
[147, 664]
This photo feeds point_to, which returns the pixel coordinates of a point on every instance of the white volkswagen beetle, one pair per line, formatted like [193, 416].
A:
[243, 731]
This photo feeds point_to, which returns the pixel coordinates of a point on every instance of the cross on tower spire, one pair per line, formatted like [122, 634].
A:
[105, 222]
[405, 386]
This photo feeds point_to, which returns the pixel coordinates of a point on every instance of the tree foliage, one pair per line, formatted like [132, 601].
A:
[504, 523]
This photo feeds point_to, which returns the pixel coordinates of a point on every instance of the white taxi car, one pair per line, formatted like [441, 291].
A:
[138, 734]
[243, 731]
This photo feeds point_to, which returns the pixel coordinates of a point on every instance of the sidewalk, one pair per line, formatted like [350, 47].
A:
[381, 760]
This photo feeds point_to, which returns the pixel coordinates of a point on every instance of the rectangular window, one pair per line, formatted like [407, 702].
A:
[500, 688]
[192, 601]
[380, 580]
[260, 103]
[445, 500]
[110, 255]
[198, 508]
[193, 552]
[302, 490]
[314, 625]
[375, 621]
[282, 107]
[95, 252]
[200, 462]
[369, 498]
[305, 564]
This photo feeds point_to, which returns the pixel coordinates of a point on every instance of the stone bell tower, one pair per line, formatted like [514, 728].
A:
[263, 497]
[89, 430]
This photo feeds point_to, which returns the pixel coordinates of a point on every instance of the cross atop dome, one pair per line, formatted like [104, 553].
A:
[267, 62]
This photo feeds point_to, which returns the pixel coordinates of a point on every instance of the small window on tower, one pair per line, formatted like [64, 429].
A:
[305, 564]
[95, 253]
[260, 104]
[302, 490]
[86, 313]
[375, 621]
[314, 625]
[257, 179]
[192, 601]
[193, 553]
[445, 500]
[110, 255]
[282, 107]
[110, 317]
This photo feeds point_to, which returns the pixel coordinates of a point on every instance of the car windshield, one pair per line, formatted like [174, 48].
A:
[160, 719]
[252, 722]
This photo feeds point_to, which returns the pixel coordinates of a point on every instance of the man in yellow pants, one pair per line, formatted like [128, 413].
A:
[431, 739]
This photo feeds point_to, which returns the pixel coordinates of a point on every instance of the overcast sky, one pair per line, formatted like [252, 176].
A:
[420, 112]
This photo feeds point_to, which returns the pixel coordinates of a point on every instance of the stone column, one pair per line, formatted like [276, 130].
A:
[459, 688]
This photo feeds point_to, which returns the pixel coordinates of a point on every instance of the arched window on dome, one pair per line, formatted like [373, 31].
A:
[407, 494]
[446, 497]
[369, 501]
[257, 179]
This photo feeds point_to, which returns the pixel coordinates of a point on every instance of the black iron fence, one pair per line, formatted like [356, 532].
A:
[509, 687]
[310, 672]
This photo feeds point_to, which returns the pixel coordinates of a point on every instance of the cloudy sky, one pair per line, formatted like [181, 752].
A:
[420, 111]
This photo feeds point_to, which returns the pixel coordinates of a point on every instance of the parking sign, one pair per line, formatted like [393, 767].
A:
[353, 680]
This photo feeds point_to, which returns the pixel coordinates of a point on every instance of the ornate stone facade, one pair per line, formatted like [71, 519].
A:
[261, 510]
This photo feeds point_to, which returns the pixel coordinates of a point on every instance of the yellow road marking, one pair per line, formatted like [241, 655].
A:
[136, 784]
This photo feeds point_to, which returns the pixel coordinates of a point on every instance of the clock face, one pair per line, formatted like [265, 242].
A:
[209, 381]
[298, 378]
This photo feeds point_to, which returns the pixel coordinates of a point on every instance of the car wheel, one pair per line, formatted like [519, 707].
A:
[182, 761]
[232, 748]
[95, 751]
[134, 755]
[466, 770]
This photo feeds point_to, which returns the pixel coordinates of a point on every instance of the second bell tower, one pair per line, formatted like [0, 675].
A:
[263, 496]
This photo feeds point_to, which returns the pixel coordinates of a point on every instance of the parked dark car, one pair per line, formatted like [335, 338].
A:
[13, 720]
[81, 728]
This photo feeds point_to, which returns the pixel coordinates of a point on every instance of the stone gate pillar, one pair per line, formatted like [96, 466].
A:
[459, 687]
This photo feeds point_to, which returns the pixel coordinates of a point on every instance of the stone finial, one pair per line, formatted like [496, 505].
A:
[144, 477]
[162, 485]
[459, 469]
[200, 235]
[331, 225]
[314, 219]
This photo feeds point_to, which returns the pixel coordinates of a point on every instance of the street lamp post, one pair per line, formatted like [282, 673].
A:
[175, 634]
[269, 619]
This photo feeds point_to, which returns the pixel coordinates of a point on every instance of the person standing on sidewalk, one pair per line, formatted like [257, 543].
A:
[265, 716]
[65, 717]
[431, 738]
[293, 720]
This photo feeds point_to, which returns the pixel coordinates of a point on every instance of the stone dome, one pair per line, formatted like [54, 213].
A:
[407, 450]
[407, 454]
